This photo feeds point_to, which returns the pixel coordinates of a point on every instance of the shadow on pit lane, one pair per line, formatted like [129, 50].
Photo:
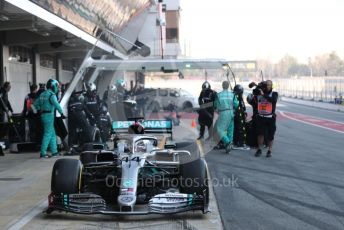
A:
[142, 218]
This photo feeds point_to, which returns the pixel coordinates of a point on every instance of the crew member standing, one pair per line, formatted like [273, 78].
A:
[105, 124]
[92, 102]
[77, 118]
[28, 113]
[46, 104]
[5, 105]
[225, 103]
[206, 113]
[240, 119]
[266, 117]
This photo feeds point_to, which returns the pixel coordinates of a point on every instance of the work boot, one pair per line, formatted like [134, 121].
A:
[229, 147]
[268, 153]
[200, 137]
[42, 157]
[219, 146]
[258, 153]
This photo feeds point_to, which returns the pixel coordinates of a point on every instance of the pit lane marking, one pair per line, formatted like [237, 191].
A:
[309, 120]
[29, 216]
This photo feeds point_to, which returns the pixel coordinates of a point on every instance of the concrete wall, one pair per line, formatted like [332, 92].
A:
[66, 76]
[45, 74]
[19, 74]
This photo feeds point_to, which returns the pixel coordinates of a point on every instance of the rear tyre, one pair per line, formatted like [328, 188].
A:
[66, 176]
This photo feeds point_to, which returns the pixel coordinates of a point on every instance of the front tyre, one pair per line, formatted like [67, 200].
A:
[66, 176]
[194, 178]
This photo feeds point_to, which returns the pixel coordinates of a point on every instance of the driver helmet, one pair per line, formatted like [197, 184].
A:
[206, 85]
[249, 98]
[91, 87]
[113, 88]
[238, 89]
[136, 128]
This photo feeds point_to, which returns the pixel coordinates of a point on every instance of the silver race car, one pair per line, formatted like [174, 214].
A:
[145, 173]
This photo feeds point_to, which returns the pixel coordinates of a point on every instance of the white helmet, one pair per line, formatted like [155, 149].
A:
[91, 87]
[112, 88]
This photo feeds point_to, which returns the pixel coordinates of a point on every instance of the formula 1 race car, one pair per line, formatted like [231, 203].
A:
[144, 174]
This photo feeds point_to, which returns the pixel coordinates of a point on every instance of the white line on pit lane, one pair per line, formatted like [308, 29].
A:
[308, 123]
[29, 216]
[318, 118]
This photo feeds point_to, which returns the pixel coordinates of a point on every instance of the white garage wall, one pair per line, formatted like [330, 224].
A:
[45, 74]
[19, 74]
[66, 76]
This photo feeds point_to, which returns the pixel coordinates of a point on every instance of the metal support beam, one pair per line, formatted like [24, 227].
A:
[57, 67]
[34, 59]
[22, 37]
[45, 15]
[15, 25]
[4, 55]
[167, 65]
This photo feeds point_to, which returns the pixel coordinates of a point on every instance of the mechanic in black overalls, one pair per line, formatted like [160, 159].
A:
[78, 122]
[206, 113]
[240, 119]
[92, 102]
[104, 123]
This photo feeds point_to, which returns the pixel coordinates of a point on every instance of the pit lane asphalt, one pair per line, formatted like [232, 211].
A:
[300, 187]
[25, 184]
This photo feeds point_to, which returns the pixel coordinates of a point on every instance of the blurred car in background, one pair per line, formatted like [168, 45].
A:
[157, 99]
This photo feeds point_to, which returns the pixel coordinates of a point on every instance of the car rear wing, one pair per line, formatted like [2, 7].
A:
[150, 126]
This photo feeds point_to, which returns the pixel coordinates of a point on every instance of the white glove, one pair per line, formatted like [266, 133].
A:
[34, 110]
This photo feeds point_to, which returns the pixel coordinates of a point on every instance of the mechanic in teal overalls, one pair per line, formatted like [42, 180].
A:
[225, 103]
[46, 104]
